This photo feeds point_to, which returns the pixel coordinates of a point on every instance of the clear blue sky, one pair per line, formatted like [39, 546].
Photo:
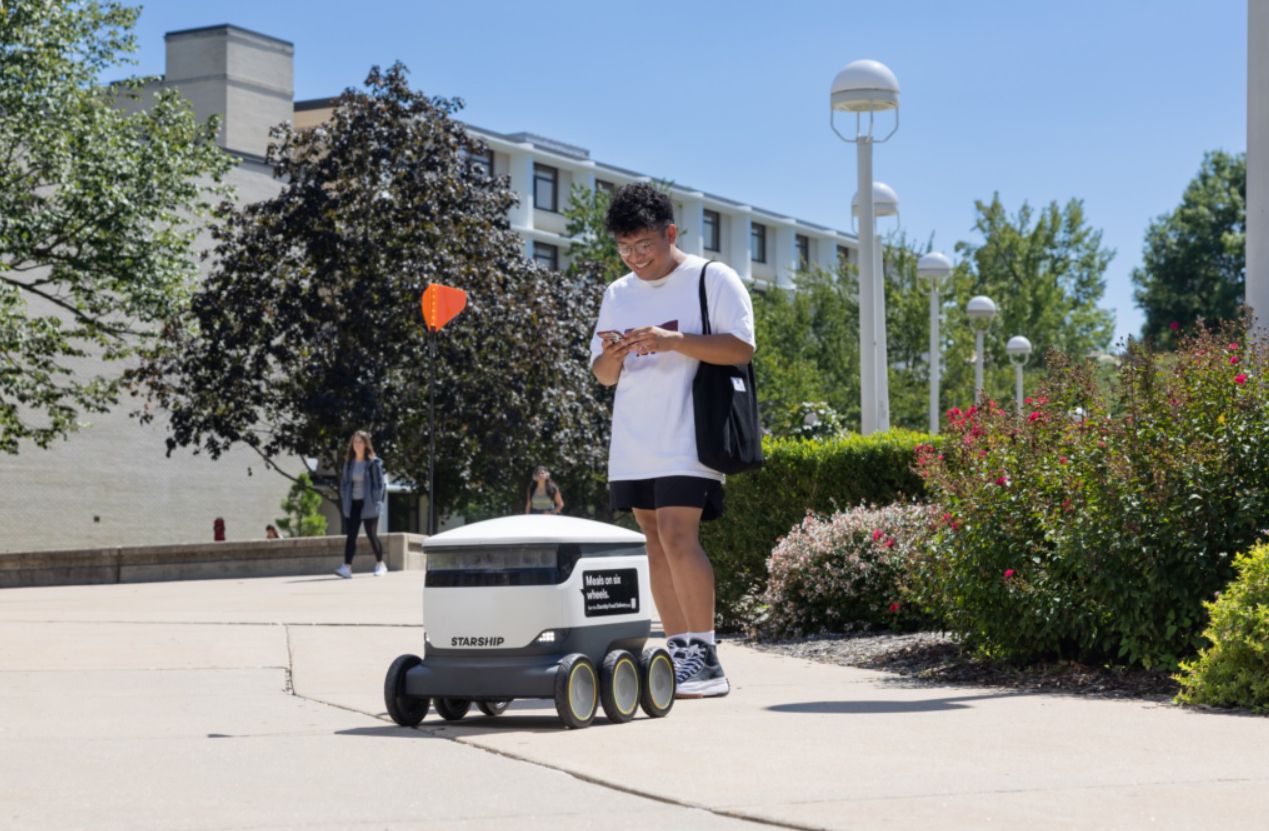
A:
[1113, 101]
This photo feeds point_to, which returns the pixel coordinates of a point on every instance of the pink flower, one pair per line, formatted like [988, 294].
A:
[1066, 504]
[1241, 378]
[1174, 326]
[1002, 481]
[1035, 416]
[1028, 400]
[1233, 359]
[894, 607]
[876, 535]
[890, 543]
[1233, 346]
[1061, 460]
[1008, 573]
[948, 518]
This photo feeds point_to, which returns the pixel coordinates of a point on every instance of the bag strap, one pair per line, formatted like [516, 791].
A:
[704, 306]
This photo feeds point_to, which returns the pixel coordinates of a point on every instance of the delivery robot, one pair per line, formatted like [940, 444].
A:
[534, 606]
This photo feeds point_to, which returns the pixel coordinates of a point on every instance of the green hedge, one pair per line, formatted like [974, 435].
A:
[820, 476]
[1234, 670]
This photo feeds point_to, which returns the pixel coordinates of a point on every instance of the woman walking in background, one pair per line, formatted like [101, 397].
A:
[361, 490]
[544, 496]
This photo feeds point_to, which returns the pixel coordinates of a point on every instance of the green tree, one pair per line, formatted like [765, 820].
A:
[808, 349]
[309, 328]
[1194, 259]
[592, 250]
[303, 507]
[1045, 270]
[98, 211]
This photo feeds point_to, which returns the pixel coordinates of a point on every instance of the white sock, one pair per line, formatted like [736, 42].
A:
[707, 637]
[683, 636]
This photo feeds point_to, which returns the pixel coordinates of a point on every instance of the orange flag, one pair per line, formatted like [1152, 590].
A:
[441, 304]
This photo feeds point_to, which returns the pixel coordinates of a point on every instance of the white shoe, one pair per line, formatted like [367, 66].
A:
[344, 571]
[381, 568]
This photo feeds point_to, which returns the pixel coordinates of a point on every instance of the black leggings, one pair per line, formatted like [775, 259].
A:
[372, 525]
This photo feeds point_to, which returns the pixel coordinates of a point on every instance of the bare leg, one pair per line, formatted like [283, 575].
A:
[691, 575]
[672, 617]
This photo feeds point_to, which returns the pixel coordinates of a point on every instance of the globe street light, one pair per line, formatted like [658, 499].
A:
[980, 311]
[934, 267]
[1019, 349]
[865, 87]
[885, 203]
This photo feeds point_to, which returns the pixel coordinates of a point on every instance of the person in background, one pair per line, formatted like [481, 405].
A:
[361, 491]
[543, 496]
[271, 533]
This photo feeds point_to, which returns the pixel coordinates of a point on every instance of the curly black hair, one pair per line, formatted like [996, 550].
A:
[637, 207]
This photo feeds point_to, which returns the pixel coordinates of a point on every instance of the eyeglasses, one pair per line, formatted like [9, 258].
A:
[640, 248]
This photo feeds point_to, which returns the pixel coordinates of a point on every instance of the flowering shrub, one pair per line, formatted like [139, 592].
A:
[1095, 526]
[1234, 670]
[833, 573]
[799, 475]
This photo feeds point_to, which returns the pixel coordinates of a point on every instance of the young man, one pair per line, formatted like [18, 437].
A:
[648, 343]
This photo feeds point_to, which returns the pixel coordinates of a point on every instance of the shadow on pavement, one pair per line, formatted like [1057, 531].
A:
[929, 705]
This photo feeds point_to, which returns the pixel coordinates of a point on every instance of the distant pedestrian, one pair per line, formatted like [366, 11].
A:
[271, 533]
[543, 496]
[361, 490]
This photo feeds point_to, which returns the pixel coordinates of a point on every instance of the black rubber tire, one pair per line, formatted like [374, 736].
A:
[452, 709]
[620, 699]
[576, 691]
[405, 710]
[657, 672]
[494, 708]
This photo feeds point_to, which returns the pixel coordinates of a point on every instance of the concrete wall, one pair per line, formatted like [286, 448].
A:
[112, 483]
[205, 561]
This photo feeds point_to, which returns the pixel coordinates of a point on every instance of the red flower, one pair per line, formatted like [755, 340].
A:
[1035, 416]
[956, 526]
[1002, 481]
[1028, 400]
[947, 517]
[1008, 573]
[876, 535]
[1174, 326]
[1233, 359]
[1066, 504]
[1061, 460]
[894, 607]
[1241, 378]
[1233, 346]
[890, 543]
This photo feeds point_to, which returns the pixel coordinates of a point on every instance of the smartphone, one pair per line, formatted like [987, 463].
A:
[611, 335]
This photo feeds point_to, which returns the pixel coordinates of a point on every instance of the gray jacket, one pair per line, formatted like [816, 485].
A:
[376, 488]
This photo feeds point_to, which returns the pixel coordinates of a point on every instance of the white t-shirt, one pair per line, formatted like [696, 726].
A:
[653, 425]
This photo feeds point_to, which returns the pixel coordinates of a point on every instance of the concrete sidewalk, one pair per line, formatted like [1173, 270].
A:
[258, 704]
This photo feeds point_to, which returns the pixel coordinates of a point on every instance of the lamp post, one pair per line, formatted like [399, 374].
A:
[884, 203]
[865, 87]
[934, 267]
[980, 311]
[1018, 349]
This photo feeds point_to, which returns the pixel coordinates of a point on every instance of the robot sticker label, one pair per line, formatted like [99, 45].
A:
[610, 592]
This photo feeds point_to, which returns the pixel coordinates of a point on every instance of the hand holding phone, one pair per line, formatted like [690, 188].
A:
[611, 335]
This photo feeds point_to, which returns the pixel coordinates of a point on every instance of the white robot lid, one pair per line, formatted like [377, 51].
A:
[534, 528]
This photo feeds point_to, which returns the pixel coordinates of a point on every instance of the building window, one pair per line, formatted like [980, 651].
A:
[709, 231]
[757, 242]
[482, 163]
[605, 187]
[546, 188]
[843, 256]
[546, 255]
[804, 251]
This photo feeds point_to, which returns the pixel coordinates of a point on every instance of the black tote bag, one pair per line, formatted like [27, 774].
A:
[725, 400]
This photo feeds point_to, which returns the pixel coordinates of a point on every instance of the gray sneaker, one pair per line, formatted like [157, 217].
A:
[700, 675]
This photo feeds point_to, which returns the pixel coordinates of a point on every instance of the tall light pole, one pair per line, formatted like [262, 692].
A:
[865, 87]
[934, 267]
[1018, 349]
[884, 203]
[980, 311]
[1257, 224]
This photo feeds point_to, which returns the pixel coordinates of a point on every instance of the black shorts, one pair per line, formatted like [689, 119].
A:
[669, 492]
